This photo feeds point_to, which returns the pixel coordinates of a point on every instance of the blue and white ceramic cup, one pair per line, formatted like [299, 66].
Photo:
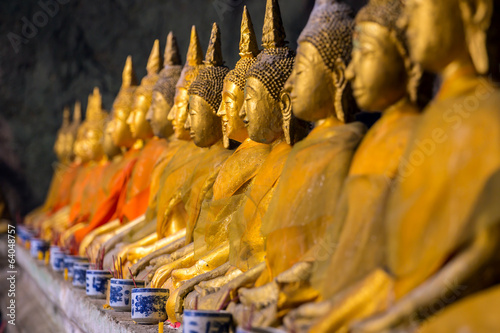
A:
[38, 245]
[259, 330]
[204, 321]
[57, 259]
[148, 305]
[97, 282]
[70, 260]
[120, 293]
[80, 273]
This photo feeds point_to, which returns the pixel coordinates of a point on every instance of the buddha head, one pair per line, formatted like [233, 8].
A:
[317, 86]
[261, 111]
[110, 149]
[143, 95]
[121, 134]
[194, 62]
[164, 90]
[89, 140]
[380, 70]
[67, 138]
[448, 31]
[59, 148]
[205, 96]
[234, 85]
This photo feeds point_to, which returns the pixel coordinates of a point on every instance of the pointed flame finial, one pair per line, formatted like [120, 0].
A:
[214, 51]
[128, 75]
[273, 33]
[94, 106]
[77, 113]
[194, 55]
[248, 40]
[154, 60]
[65, 122]
[171, 56]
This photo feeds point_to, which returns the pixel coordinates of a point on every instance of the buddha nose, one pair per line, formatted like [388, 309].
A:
[221, 112]
[171, 114]
[187, 124]
[149, 114]
[349, 73]
[243, 112]
[289, 83]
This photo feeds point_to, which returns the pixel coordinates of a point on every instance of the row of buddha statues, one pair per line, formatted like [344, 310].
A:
[255, 190]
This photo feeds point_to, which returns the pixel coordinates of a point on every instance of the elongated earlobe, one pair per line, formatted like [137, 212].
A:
[477, 19]
[340, 82]
[286, 111]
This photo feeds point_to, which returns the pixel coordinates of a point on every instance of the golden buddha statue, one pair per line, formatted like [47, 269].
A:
[88, 148]
[206, 131]
[440, 224]
[166, 207]
[261, 78]
[385, 81]
[302, 206]
[269, 71]
[134, 197]
[310, 185]
[164, 90]
[233, 127]
[117, 173]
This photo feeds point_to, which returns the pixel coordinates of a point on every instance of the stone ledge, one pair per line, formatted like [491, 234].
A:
[73, 309]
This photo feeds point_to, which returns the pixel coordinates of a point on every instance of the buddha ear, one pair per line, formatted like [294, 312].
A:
[286, 111]
[476, 15]
[340, 82]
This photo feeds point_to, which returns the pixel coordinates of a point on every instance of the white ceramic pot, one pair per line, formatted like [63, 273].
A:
[203, 321]
[120, 293]
[69, 261]
[80, 274]
[38, 245]
[148, 305]
[57, 259]
[97, 282]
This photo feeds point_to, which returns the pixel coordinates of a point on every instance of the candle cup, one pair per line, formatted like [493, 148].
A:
[80, 273]
[148, 305]
[97, 282]
[120, 293]
[205, 321]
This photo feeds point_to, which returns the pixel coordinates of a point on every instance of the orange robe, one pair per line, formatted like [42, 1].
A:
[67, 180]
[77, 192]
[233, 179]
[134, 200]
[171, 214]
[114, 180]
[246, 239]
[303, 204]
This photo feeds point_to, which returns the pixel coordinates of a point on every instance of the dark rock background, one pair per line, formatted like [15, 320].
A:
[83, 44]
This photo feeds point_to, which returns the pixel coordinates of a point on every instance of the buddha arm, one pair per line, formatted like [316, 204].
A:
[163, 273]
[172, 243]
[210, 261]
[139, 252]
[175, 302]
[122, 232]
[458, 270]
